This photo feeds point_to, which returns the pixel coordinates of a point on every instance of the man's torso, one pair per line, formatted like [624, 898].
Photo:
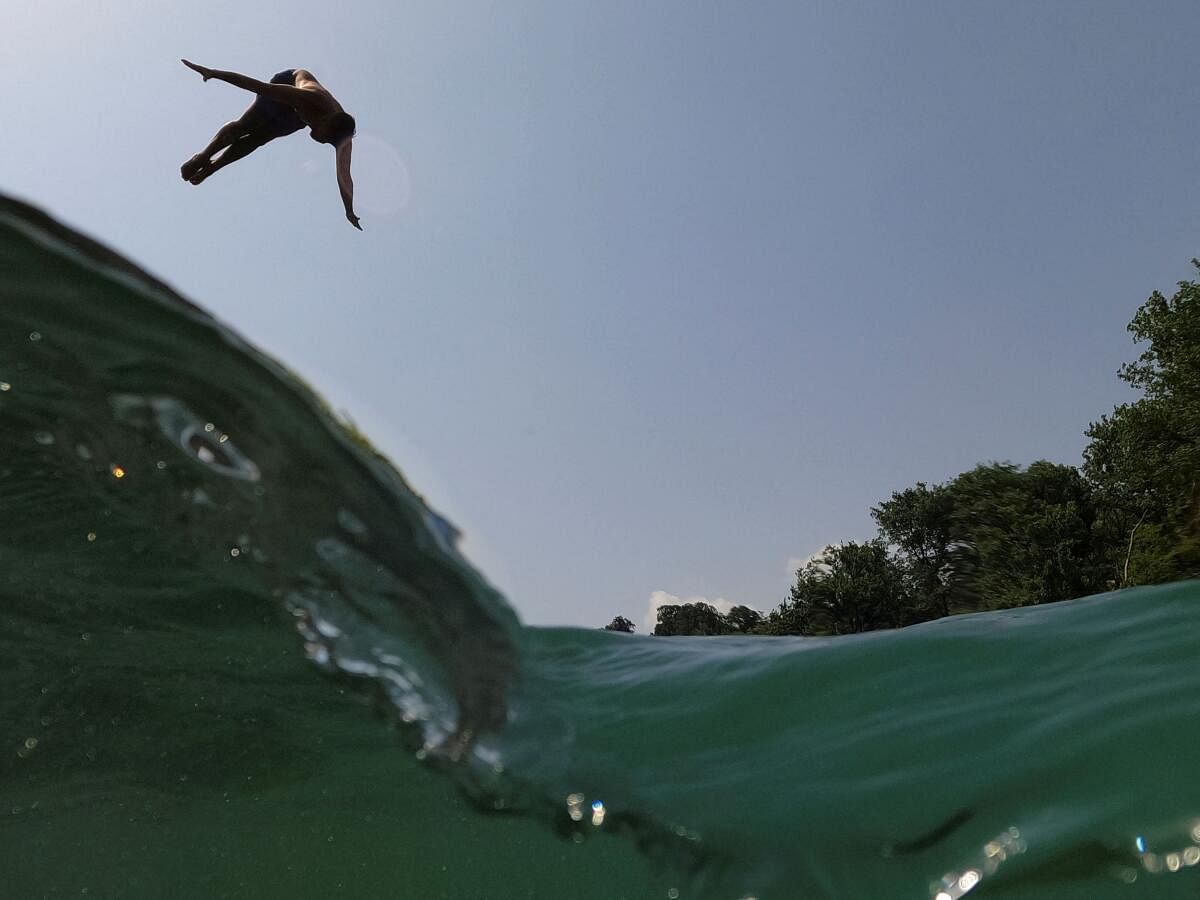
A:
[322, 105]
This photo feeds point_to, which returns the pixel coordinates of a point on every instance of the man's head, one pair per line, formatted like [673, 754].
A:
[337, 128]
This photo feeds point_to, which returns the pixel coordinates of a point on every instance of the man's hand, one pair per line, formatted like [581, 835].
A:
[353, 220]
[205, 73]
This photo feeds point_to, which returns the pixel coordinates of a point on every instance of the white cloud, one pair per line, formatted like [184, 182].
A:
[662, 598]
[799, 562]
[795, 563]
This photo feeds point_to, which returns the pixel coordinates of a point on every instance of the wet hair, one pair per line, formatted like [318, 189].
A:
[341, 126]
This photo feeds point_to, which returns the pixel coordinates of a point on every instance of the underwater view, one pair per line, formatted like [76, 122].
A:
[242, 657]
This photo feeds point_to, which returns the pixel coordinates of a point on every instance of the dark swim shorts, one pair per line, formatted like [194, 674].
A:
[277, 119]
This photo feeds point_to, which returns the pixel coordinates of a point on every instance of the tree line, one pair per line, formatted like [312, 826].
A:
[1002, 535]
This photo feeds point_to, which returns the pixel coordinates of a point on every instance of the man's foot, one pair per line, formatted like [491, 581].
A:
[192, 166]
[200, 175]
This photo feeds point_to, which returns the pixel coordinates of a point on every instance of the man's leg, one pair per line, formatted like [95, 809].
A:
[240, 147]
[225, 136]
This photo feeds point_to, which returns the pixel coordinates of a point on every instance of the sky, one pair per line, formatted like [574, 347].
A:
[654, 299]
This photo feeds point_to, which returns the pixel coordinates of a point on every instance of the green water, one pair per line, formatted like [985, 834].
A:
[239, 656]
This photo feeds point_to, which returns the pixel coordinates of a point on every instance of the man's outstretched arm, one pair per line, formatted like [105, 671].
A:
[284, 93]
[345, 182]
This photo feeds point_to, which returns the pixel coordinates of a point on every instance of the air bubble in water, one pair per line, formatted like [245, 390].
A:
[199, 438]
[351, 523]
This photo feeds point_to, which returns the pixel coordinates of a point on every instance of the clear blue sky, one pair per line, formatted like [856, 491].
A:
[653, 296]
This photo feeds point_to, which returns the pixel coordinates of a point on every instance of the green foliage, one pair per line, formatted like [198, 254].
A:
[1143, 458]
[620, 623]
[919, 522]
[743, 619]
[1024, 537]
[999, 536]
[690, 619]
[850, 588]
[703, 619]
[1170, 367]
[1137, 463]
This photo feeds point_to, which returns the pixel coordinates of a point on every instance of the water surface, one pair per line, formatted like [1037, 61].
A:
[241, 656]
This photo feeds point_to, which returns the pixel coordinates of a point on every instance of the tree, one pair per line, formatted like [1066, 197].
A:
[1144, 493]
[620, 623]
[850, 588]
[919, 522]
[743, 619]
[1143, 458]
[1024, 536]
[1169, 368]
[690, 619]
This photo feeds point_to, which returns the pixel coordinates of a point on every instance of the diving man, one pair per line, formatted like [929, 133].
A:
[291, 100]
